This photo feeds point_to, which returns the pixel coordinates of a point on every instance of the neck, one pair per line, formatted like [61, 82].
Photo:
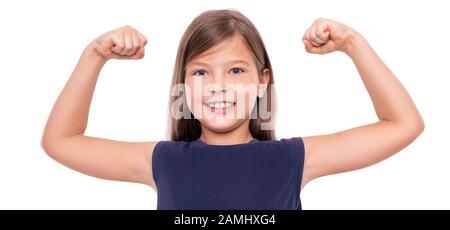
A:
[239, 135]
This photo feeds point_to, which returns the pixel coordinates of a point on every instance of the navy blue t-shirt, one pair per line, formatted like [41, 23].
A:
[259, 175]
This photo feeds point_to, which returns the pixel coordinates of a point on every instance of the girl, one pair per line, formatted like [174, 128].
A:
[222, 152]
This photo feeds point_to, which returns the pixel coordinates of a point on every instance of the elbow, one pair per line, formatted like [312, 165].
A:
[45, 144]
[420, 126]
[46, 141]
[410, 128]
[415, 127]
[53, 145]
[48, 144]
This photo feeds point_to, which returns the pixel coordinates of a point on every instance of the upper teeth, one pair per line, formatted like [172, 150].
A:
[219, 105]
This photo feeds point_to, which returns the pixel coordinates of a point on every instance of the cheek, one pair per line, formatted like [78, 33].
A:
[194, 97]
[245, 99]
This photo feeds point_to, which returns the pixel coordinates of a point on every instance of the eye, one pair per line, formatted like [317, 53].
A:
[236, 71]
[200, 73]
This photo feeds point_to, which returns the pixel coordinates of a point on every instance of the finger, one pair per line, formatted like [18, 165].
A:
[140, 53]
[308, 45]
[142, 39]
[314, 40]
[120, 56]
[128, 44]
[107, 42]
[305, 35]
[313, 49]
[322, 33]
[331, 30]
[314, 34]
[136, 43]
[118, 43]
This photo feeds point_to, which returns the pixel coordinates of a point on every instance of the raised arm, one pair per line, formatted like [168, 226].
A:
[399, 123]
[63, 138]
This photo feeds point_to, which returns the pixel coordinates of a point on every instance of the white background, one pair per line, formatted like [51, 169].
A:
[41, 42]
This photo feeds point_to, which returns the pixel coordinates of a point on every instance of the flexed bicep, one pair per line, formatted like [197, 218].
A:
[103, 158]
[355, 148]
[399, 120]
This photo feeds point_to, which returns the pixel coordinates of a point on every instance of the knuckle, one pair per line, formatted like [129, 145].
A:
[128, 48]
[127, 27]
[143, 40]
[320, 19]
[120, 46]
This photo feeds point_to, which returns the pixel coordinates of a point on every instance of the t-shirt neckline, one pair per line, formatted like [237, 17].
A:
[241, 144]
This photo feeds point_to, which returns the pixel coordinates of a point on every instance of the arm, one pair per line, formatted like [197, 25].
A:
[399, 123]
[63, 138]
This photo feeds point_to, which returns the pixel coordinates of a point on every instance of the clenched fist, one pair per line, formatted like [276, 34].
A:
[122, 43]
[325, 36]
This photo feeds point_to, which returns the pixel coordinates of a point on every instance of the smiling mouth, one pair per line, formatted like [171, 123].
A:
[222, 107]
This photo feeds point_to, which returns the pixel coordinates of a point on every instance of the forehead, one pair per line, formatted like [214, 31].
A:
[231, 48]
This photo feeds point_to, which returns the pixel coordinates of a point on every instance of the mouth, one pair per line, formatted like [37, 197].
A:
[220, 107]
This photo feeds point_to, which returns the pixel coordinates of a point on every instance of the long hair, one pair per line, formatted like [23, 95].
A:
[206, 31]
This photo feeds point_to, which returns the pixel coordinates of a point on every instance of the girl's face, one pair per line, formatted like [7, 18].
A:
[222, 85]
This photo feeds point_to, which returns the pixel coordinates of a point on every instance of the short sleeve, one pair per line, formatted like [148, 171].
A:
[297, 149]
[156, 160]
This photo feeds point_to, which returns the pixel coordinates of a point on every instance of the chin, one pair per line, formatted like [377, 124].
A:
[221, 125]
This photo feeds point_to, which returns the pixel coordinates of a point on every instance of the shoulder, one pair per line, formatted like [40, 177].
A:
[168, 145]
[293, 144]
[169, 148]
[285, 150]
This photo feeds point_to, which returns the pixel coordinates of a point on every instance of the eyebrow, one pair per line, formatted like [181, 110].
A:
[238, 61]
[230, 62]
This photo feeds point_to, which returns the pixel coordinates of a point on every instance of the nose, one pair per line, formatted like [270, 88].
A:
[219, 84]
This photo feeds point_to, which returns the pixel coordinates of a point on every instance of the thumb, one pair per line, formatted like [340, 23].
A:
[327, 47]
[323, 49]
[330, 29]
[323, 33]
[138, 55]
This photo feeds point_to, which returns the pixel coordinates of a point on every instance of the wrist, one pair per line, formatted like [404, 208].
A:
[354, 43]
[91, 53]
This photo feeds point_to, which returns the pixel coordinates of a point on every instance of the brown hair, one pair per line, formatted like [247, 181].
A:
[206, 31]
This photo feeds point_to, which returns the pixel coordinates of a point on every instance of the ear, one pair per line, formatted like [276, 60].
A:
[263, 82]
